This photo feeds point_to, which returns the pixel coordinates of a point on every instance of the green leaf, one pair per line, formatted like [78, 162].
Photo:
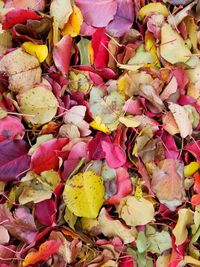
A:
[141, 242]
[83, 49]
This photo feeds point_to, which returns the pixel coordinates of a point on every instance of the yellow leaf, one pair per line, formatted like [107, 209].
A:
[40, 51]
[98, 125]
[153, 8]
[91, 52]
[171, 41]
[136, 212]
[192, 32]
[50, 179]
[138, 192]
[150, 46]
[39, 103]
[190, 260]
[84, 194]
[130, 121]
[163, 260]
[73, 26]
[113, 228]
[185, 218]
[191, 168]
[122, 84]
[90, 225]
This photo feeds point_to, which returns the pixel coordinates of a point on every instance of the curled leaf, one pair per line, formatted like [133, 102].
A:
[40, 51]
[153, 8]
[185, 218]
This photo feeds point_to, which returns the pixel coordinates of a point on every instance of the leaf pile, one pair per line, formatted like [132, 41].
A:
[99, 133]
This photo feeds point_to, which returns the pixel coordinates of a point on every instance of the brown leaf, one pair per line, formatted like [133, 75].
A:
[167, 182]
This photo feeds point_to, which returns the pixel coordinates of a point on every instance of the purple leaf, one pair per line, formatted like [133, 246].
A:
[97, 13]
[123, 19]
[14, 159]
[45, 212]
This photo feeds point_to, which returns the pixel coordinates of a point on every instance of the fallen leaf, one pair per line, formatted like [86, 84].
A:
[30, 194]
[185, 218]
[153, 8]
[62, 53]
[73, 26]
[98, 125]
[39, 104]
[4, 235]
[5, 40]
[37, 5]
[40, 51]
[182, 119]
[84, 194]
[61, 10]
[191, 168]
[136, 211]
[16, 16]
[171, 41]
[11, 128]
[17, 63]
[47, 249]
[167, 183]
[112, 228]
[45, 157]
[14, 159]
[129, 121]
[47, 207]
[100, 13]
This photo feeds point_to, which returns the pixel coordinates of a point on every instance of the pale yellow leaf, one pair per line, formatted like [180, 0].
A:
[40, 104]
[73, 26]
[136, 211]
[191, 261]
[182, 119]
[172, 47]
[61, 10]
[84, 194]
[113, 228]
[153, 8]
[185, 218]
[40, 51]
[163, 260]
[130, 121]
[3, 113]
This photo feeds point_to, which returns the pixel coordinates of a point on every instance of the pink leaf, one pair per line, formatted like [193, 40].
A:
[123, 19]
[11, 128]
[115, 155]
[61, 54]
[16, 16]
[99, 42]
[124, 187]
[45, 157]
[13, 159]
[98, 13]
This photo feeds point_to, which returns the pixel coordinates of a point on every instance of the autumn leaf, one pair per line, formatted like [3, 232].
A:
[84, 194]
[47, 249]
[153, 8]
[40, 51]
[39, 104]
[61, 10]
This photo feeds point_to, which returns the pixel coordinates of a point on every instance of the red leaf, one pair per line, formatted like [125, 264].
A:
[16, 16]
[11, 128]
[13, 159]
[196, 199]
[47, 249]
[194, 149]
[197, 182]
[127, 261]
[45, 157]
[99, 42]
[45, 212]
[124, 187]
[61, 54]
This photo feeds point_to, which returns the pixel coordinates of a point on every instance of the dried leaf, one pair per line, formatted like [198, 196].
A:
[182, 119]
[185, 218]
[84, 194]
[111, 228]
[136, 211]
[171, 41]
[61, 10]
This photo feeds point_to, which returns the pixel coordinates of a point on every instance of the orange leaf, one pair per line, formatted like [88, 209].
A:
[47, 249]
[196, 200]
